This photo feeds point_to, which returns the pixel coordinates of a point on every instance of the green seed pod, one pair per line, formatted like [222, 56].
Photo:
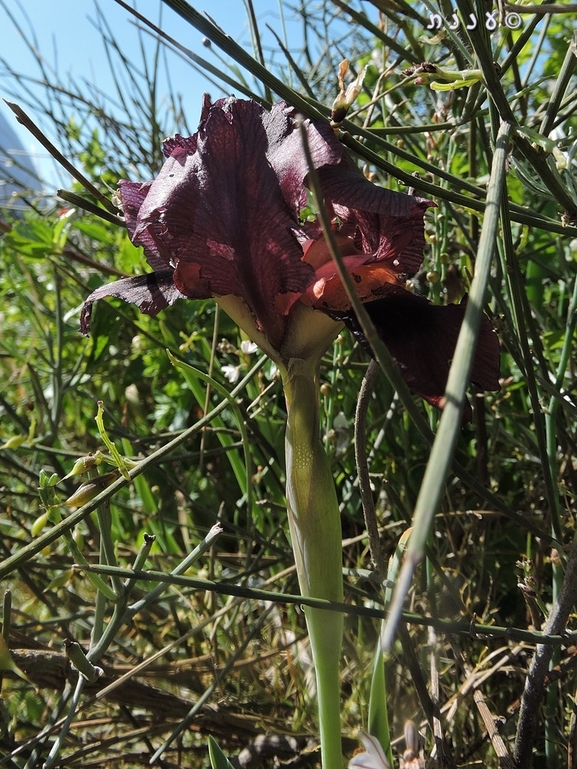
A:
[39, 524]
[91, 489]
[84, 464]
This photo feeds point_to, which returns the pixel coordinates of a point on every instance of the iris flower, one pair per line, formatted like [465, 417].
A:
[223, 219]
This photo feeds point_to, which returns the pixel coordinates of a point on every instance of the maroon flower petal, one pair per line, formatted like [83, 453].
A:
[422, 338]
[397, 241]
[133, 195]
[346, 185]
[389, 225]
[188, 143]
[151, 293]
[286, 155]
[221, 217]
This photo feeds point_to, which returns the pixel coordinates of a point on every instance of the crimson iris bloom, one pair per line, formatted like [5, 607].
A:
[222, 220]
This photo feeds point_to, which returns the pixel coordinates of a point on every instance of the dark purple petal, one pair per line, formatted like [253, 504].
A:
[286, 155]
[387, 224]
[221, 218]
[151, 293]
[346, 185]
[178, 142]
[133, 195]
[422, 339]
[398, 241]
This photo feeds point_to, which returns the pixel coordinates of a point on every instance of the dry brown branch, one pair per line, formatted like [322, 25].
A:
[505, 760]
[48, 669]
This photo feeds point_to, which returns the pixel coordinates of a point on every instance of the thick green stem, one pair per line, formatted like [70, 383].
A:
[316, 538]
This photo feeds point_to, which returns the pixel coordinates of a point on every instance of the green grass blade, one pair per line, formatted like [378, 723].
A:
[217, 758]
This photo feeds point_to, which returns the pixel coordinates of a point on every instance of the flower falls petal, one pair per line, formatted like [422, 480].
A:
[151, 293]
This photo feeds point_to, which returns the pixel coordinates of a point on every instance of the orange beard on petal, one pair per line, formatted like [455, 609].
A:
[316, 252]
[370, 282]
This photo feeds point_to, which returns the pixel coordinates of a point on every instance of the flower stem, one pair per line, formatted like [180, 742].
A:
[316, 538]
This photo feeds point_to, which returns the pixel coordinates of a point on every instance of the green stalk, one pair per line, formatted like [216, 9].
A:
[315, 529]
[557, 569]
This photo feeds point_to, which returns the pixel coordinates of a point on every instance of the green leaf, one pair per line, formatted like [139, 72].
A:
[378, 722]
[217, 758]
[7, 664]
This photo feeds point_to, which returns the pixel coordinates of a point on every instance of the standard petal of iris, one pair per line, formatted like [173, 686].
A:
[389, 233]
[286, 156]
[346, 185]
[151, 293]
[397, 240]
[378, 216]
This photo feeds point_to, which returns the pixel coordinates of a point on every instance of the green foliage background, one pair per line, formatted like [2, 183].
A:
[247, 656]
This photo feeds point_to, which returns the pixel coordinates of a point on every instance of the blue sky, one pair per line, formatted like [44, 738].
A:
[71, 45]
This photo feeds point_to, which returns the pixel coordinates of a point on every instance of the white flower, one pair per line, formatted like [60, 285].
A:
[248, 347]
[231, 373]
[373, 757]
[347, 95]
[341, 428]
